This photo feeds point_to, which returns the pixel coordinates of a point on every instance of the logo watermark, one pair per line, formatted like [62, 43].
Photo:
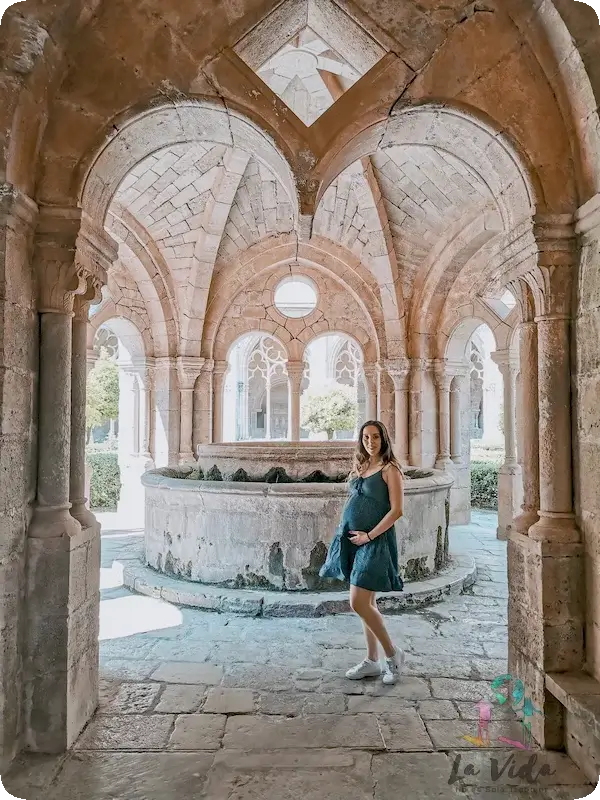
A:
[505, 692]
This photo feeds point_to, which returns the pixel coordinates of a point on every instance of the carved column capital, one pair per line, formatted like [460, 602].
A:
[91, 296]
[506, 363]
[552, 279]
[295, 372]
[188, 371]
[398, 369]
[71, 258]
[442, 374]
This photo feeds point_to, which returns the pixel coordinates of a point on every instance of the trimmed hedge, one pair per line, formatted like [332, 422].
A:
[484, 484]
[105, 485]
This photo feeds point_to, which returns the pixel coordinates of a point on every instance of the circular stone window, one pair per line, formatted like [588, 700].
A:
[296, 297]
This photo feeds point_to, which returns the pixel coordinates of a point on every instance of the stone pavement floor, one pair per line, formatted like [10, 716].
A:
[201, 705]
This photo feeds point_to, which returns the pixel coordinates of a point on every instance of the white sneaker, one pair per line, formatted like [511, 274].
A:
[393, 667]
[366, 669]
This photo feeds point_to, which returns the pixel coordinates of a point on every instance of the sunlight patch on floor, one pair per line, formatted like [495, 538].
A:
[126, 616]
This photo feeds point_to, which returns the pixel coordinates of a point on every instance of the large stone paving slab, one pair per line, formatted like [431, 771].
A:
[132, 698]
[127, 732]
[316, 731]
[190, 673]
[415, 776]
[180, 699]
[132, 776]
[198, 732]
[289, 775]
[404, 731]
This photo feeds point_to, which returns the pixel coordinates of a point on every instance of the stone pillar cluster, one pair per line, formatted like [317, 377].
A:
[546, 579]
[63, 558]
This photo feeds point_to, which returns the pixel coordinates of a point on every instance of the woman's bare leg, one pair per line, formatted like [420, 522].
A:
[372, 644]
[361, 602]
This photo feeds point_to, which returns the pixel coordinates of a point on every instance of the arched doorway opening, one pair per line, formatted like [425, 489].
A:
[124, 438]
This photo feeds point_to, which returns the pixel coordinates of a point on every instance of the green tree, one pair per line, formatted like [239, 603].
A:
[102, 392]
[329, 411]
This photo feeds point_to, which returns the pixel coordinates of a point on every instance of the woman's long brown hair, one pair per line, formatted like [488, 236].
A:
[361, 457]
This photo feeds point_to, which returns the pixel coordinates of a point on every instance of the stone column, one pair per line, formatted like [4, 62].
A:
[442, 383]
[530, 456]
[79, 372]
[295, 371]
[63, 561]
[188, 369]
[91, 359]
[370, 373]
[545, 568]
[398, 371]
[220, 371]
[509, 476]
[166, 412]
[456, 389]
[417, 370]
[133, 461]
[557, 521]
[147, 377]
[203, 406]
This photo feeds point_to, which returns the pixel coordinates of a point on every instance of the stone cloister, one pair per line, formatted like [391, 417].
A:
[166, 167]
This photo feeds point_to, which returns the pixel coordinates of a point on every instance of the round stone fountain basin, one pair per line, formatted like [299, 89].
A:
[275, 536]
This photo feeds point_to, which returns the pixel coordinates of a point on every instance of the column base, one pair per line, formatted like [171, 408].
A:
[53, 523]
[555, 527]
[545, 622]
[443, 463]
[61, 633]
[186, 459]
[523, 522]
[82, 514]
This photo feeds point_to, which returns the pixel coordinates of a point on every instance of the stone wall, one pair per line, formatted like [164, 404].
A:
[586, 385]
[18, 388]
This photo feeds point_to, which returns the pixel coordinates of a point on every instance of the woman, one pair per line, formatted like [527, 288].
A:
[364, 550]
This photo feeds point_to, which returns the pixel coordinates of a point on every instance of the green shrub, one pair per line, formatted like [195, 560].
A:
[105, 485]
[484, 484]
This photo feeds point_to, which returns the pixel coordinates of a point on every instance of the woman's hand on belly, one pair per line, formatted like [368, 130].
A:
[358, 538]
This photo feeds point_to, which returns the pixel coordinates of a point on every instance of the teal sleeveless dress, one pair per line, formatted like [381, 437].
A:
[372, 566]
